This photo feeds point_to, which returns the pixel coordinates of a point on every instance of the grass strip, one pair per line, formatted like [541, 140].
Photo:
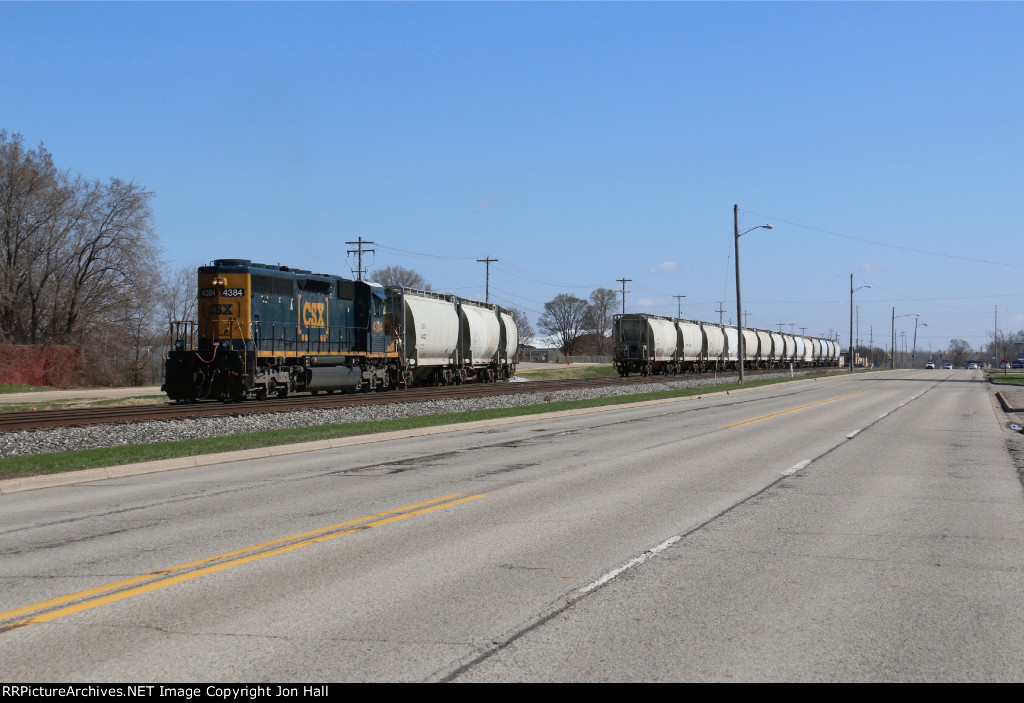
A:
[59, 462]
[1007, 380]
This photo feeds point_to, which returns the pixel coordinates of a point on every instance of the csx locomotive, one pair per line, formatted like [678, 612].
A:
[268, 330]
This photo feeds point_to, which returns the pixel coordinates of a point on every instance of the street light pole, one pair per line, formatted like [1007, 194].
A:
[913, 352]
[892, 360]
[739, 301]
[852, 289]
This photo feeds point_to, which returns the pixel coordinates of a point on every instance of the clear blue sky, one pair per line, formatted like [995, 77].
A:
[578, 143]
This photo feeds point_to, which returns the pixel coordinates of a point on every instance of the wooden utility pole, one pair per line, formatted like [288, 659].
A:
[359, 251]
[624, 281]
[679, 303]
[487, 289]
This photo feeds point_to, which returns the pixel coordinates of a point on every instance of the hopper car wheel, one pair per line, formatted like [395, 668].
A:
[261, 394]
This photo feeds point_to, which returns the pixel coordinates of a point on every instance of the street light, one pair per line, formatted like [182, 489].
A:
[913, 352]
[892, 347]
[852, 289]
[739, 303]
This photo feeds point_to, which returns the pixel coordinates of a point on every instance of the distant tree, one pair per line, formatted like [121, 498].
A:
[959, 349]
[1004, 345]
[526, 333]
[565, 318]
[599, 317]
[399, 276]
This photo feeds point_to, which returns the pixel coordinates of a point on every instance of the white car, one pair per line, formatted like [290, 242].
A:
[948, 367]
[972, 365]
[930, 365]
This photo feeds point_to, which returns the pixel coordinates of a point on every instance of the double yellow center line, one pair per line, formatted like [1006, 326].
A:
[110, 593]
[759, 418]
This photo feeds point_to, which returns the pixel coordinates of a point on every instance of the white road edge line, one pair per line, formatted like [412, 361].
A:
[796, 467]
[629, 565]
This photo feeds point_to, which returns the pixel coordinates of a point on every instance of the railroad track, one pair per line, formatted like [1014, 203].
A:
[80, 417]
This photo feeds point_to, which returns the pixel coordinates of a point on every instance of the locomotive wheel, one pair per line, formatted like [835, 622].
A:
[261, 394]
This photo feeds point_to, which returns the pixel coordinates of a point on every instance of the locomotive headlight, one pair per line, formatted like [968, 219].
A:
[218, 282]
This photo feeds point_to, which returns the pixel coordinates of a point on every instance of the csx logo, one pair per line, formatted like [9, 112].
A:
[219, 309]
[313, 314]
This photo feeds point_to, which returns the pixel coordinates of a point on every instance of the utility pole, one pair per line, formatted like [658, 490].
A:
[746, 317]
[679, 303]
[359, 250]
[720, 311]
[624, 281]
[487, 289]
[892, 342]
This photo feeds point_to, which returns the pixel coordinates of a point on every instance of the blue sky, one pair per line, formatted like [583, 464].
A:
[578, 143]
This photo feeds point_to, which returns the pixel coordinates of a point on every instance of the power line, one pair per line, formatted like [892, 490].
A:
[886, 244]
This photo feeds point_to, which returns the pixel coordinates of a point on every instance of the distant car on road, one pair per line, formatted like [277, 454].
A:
[972, 365]
[930, 365]
[1018, 364]
[948, 366]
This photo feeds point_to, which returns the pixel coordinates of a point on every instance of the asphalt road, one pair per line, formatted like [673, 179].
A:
[864, 528]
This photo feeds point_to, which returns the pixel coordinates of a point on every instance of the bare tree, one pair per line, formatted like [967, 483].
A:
[565, 318]
[599, 320]
[399, 276]
[73, 254]
[526, 333]
[34, 198]
[179, 294]
[959, 349]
